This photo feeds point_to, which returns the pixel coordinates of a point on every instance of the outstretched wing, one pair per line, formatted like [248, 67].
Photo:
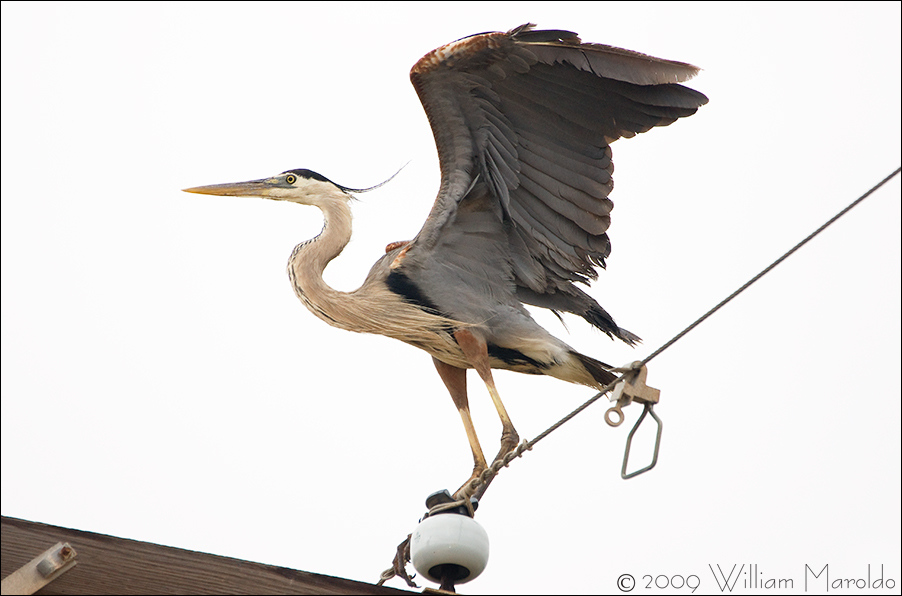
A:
[523, 121]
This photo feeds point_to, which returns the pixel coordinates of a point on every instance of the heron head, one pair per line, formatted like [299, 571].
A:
[299, 186]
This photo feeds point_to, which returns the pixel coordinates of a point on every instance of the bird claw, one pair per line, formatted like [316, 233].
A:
[486, 474]
[399, 565]
[465, 492]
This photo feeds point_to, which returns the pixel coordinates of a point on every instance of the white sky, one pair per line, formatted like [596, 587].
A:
[161, 382]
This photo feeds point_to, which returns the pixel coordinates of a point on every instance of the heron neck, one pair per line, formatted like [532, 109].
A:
[309, 259]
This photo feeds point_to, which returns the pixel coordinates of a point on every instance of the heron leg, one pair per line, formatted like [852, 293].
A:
[476, 351]
[455, 380]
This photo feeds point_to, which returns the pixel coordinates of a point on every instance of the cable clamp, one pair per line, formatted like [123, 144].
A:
[630, 388]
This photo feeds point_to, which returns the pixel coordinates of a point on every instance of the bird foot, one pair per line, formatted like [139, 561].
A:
[464, 491]
[509, 445]
[509, 441]
[399, 565]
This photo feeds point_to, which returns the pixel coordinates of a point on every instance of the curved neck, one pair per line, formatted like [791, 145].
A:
[309, 259]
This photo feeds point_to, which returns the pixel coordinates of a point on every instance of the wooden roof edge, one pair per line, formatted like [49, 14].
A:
[111, 565]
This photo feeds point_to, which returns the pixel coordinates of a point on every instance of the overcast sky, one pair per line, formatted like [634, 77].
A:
[161, 382]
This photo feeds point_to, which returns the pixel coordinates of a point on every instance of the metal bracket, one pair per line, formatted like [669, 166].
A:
[632, 388]
[41, 570]
[649, 409]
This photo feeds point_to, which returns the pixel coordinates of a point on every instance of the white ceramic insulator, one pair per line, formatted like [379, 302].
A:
[449, 538]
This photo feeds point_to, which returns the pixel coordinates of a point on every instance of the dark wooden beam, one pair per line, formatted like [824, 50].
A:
[110, 565]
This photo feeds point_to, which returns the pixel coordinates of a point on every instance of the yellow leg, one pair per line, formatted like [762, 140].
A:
[476, 351]
[455, 380]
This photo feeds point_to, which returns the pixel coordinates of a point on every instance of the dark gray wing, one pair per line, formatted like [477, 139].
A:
[523, 121]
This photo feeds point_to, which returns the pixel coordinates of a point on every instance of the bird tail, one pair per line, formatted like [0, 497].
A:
[599, 370]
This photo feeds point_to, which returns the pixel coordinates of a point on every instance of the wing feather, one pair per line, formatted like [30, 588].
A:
[590, 222]
[522, 122]
[536, 153]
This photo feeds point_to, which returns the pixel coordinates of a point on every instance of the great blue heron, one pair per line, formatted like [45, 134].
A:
[522, 121]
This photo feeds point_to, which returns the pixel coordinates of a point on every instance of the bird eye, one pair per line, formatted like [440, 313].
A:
[291, 178]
